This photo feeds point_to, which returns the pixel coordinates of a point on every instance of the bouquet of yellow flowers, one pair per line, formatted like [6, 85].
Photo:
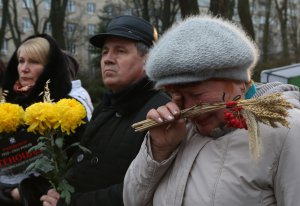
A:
[11, 117]
[53, 121]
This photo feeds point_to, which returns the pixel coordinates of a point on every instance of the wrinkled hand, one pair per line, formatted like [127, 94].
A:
[51, 198]
[166, 138]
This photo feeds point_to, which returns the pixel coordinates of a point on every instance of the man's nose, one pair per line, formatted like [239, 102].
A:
[108, 58]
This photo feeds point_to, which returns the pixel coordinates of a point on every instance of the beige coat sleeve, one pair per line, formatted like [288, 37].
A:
[143, 176]
[287, 179]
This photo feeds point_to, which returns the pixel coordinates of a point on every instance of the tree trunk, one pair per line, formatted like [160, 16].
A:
[145, 13]
[245, 17]
[294, 30]
[222, 8]
[166, 15]
[282, 16]
[4, 21]
[160, 13]
[33, 15]
[57, 19]
[266, 30]
[188, 8]
[13, 24]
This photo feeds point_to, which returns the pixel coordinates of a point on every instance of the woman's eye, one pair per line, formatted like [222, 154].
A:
[35, 62]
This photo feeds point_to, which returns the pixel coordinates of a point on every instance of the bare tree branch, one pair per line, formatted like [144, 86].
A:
[188, 7]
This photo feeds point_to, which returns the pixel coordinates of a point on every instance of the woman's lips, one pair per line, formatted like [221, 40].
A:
[25, 78]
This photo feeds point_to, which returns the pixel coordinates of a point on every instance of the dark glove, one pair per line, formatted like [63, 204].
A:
[32, 188]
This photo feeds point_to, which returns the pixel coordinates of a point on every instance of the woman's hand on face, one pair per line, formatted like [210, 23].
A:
[51, 198]
[166, 138]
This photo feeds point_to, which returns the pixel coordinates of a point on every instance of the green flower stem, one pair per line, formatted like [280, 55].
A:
[55, 181]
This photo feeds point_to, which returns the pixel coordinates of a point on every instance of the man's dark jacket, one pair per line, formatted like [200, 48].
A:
[98, 177]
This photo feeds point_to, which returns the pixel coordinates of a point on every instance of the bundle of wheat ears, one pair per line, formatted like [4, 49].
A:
[270, 110]
[2, 95]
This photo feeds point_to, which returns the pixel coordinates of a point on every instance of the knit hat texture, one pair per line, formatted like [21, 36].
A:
[201, 48]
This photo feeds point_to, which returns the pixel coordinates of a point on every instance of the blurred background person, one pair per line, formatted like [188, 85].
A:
[2, 69]
[77, 91]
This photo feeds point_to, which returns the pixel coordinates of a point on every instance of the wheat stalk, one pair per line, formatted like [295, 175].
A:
[3, 94]
[46, 92]
[270, 109]
[253, 131]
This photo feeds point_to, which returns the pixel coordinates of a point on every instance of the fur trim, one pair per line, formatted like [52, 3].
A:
[200, 48]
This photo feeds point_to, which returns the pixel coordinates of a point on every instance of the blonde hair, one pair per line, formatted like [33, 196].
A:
[37, 47]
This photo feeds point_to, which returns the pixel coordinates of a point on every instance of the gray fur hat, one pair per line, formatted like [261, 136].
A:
[201, 48]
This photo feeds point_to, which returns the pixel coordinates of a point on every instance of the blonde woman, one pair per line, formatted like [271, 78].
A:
[35, 61]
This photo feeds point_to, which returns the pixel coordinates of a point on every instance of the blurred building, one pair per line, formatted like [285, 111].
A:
[81, 22]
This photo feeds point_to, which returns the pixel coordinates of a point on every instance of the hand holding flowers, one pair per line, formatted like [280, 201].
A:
[54, 122]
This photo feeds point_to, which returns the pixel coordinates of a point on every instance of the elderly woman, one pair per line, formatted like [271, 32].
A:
[200, 161]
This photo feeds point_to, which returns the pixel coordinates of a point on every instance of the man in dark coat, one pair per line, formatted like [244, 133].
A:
[98, 177]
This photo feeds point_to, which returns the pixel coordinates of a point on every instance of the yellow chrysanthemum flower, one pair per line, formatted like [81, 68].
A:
[72, 114]
[11, 117]
[41, 117]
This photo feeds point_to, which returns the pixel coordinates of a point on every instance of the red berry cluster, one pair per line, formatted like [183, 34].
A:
[233, 117]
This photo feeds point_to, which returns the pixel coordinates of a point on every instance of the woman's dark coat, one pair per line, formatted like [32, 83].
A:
[14, 148]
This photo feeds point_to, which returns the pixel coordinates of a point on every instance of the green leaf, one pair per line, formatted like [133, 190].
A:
[43, 139]
[64, 185]
[30, 168]
[42, 165]
[65, 190]
[40, 145]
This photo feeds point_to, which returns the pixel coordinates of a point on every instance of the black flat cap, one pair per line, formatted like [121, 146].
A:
[130, 27]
